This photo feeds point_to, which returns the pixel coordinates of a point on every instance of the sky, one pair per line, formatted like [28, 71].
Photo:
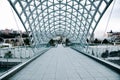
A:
[7, 20]
[113, 22]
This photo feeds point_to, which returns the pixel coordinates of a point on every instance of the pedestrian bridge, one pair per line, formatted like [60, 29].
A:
[65, 64]
[70, 22]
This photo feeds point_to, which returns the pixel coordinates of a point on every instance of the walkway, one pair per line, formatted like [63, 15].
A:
[65, 64]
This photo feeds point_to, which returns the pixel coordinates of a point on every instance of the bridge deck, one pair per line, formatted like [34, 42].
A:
[65, 64]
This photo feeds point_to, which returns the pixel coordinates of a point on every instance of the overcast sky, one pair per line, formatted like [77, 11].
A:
[114, 23]
[7, 20]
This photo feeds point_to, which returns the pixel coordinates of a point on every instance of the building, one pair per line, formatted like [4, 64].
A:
[5, 45]
[13, 37]
[113, 36]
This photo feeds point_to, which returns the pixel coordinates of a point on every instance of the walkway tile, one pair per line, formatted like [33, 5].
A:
[65, 64]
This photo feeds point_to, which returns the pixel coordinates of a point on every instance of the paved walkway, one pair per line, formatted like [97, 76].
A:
[65, 64]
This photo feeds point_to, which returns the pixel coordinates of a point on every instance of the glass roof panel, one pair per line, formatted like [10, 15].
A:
[74, 19]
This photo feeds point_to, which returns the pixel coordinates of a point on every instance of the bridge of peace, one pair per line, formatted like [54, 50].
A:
[58, 32]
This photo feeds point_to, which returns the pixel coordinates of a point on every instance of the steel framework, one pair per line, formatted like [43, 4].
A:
[73, 19]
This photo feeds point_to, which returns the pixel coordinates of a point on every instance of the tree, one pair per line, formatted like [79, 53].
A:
[1, 40]
[105, 54]
[7, 41]
[119, 54]
[27, 41]
[87, 41]
[105, 41]
[12, 40]
[115, 53]
[16, 40]
[52, 42]
[67, 42]
[96, 41]
[8, 55]
[24, 35]
[111, 31]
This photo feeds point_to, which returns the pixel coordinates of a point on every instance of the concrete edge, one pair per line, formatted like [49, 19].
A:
[103, 62]
[17, 68]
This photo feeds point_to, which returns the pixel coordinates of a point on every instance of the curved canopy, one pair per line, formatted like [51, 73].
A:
[73, 19]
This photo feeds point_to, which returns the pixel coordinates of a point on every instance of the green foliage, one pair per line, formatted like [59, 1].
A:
[10, 35]
[1, 40]
[118, 53]
[67, 42]
[105, 41]
[51, 42]
[115, 53]
[110, 54]
[27, 41]
[97, 41]
[105, 54]
[8, 55]
[87, 40]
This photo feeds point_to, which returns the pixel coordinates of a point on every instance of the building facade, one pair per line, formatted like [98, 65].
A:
[113, 36]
